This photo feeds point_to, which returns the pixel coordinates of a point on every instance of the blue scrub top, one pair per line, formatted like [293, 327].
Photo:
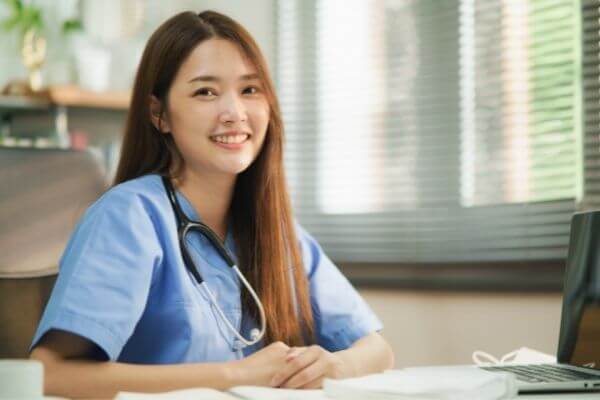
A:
[123, 285]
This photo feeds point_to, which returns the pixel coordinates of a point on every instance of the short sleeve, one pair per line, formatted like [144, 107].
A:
[105, 273]
[341, 315]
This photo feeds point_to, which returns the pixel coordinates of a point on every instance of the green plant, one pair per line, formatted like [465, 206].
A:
[28, 16]
[71, 26]
[24, 17]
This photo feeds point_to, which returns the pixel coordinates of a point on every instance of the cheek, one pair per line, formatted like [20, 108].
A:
[191, 121]
[261, 120]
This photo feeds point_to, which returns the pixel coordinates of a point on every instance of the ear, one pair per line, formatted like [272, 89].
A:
[157, 115]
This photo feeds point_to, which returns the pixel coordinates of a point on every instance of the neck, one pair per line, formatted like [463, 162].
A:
[210, 195]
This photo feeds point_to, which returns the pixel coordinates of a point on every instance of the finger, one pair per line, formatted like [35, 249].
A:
[276, 348]
[294, 365]
[300, 362]
[312, 372]
[294, 352]
[315, 384]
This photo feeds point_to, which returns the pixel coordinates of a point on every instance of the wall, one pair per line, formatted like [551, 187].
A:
[256, 15]
[438, 328]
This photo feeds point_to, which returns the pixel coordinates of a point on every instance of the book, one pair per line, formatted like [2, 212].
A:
[425, 383]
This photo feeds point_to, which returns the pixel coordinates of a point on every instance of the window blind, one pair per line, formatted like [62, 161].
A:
[591, 102]
[424, 131]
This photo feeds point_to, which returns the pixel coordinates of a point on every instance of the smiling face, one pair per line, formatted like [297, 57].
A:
[216, 109]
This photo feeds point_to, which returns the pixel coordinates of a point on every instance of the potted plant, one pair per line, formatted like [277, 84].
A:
[27, 19]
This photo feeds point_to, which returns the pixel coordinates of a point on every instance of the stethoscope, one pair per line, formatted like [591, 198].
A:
[184, 226]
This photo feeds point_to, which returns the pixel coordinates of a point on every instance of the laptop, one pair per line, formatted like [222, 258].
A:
[578, 358]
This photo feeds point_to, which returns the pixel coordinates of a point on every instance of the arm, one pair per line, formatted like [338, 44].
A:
[73, 368]
[368, 355]
[307, 367]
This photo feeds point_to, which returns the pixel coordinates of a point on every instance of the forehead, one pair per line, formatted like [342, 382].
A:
[216, 57]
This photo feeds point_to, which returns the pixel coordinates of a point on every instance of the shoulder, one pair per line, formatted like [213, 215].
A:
[139, 204]
[140, 195]
[125, 220]
[147, 187]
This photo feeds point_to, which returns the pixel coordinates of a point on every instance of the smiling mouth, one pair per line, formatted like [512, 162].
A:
[230, 139]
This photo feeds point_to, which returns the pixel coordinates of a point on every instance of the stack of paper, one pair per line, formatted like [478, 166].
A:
[431, 383]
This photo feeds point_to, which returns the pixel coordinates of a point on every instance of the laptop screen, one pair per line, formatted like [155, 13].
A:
[579, 341]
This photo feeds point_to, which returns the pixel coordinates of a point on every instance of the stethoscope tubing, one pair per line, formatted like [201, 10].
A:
[184, 225]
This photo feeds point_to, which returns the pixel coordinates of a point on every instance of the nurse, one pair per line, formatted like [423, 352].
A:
[127, 314]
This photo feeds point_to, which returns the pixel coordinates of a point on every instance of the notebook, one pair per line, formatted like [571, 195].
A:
[578, 356]
[425, 383]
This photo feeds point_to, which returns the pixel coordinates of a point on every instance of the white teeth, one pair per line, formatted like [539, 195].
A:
[230, 139]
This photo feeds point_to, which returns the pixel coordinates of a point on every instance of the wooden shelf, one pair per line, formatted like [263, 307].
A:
[69, 96]
[16, 103]
[74, 96]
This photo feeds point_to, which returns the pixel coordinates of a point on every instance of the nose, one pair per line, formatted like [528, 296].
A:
[233, 109]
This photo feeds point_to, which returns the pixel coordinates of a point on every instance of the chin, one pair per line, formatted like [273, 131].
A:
[235, 169]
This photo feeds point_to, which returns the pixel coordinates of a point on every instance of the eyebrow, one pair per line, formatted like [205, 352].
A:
[212, 78]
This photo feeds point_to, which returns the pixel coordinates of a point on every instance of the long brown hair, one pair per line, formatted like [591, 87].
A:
[263, 227]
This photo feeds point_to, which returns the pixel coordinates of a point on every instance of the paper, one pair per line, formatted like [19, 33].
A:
[426, 383]
[184, 394]
[525, 355]
[265, 393]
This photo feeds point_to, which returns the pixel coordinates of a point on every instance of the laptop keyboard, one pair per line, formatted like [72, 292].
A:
[543, 373]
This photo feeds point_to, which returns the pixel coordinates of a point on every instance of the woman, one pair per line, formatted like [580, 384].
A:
[127, 312]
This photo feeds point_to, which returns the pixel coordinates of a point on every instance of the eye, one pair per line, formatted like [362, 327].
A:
[251, 90]
[205, 92]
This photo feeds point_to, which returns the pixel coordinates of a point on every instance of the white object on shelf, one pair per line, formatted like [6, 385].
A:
[93, 65]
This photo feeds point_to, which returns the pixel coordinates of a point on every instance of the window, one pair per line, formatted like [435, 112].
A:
[520, 93]
[421, 131]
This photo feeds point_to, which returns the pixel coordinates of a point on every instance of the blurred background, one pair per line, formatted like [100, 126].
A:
[436, 148]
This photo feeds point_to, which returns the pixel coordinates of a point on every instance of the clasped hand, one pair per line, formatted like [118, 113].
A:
[306, 367]
[279, 365]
